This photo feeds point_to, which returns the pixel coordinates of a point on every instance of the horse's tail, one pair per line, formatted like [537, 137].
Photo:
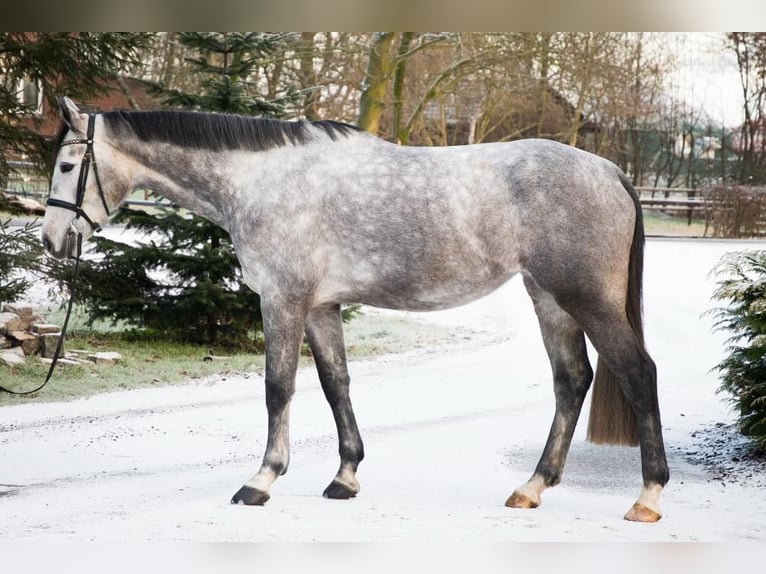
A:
[612, 420]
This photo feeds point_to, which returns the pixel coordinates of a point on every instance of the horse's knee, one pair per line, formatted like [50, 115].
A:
[335, 386]
[278, 394]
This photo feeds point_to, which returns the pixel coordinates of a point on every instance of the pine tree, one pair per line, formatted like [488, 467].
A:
[20, 259]
[743, 372]
[187, 282]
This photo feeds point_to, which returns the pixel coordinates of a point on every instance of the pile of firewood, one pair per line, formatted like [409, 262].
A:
[23, 333]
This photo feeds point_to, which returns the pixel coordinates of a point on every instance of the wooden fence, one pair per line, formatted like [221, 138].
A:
[726, 211]
[678, 201]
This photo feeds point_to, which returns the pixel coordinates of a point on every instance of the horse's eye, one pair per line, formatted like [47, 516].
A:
[66, 167]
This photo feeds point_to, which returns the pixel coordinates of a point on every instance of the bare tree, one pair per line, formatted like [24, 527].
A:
[601, 91]
[750, 49]
[329, 66]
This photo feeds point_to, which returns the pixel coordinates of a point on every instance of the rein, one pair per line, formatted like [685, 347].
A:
[60, 343]
[88, 162]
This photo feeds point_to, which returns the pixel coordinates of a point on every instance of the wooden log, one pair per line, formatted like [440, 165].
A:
[29, 342]
[48, 343]
[12, 357]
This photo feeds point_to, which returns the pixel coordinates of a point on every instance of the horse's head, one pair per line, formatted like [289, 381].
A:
[77, 205]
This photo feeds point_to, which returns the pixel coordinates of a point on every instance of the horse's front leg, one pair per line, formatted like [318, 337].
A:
[324, 328]
[283, 326]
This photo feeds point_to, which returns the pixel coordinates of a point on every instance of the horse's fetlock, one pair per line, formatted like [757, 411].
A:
[351, 452]
[550, 477]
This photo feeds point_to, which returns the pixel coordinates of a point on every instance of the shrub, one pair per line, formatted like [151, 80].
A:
[743, 372]
[20, 259]
[735, 211]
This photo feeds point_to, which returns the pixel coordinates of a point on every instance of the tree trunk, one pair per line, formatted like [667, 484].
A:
[398, 98]
[371, 102]
[307, 75]
[544, 59]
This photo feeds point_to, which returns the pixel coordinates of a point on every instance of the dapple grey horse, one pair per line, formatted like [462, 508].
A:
[321, 214]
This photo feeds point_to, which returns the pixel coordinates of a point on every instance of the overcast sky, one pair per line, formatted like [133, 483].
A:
[708, 77]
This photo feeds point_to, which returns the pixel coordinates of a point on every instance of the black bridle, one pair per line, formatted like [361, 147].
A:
[88, 162]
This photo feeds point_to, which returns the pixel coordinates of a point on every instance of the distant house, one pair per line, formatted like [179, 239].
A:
[704, 147]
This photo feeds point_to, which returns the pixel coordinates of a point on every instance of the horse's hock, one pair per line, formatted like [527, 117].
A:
[23, 333]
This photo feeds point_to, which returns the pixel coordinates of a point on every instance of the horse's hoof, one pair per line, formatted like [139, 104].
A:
[250, 496]
[339, 491]
[518, 500]
[640, 513]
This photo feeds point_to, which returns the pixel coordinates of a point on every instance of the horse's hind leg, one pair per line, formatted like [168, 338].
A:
[324, 329]
[565, 343]
[636, 374]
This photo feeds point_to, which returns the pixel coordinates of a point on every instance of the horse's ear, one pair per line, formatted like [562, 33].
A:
[73, 117]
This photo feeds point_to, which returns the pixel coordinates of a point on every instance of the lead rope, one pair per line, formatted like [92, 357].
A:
[60, 344]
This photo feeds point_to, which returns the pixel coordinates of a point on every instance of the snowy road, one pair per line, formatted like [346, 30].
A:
[448, 435]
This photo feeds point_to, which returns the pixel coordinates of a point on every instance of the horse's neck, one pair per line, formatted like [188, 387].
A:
[191, 179]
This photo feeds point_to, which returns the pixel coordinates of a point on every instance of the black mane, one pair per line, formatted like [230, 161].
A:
[219, 132]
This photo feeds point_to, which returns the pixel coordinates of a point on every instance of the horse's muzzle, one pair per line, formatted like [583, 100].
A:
[70, 248]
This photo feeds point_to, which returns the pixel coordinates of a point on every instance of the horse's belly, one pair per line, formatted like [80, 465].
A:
[436, 299]
[413, 292]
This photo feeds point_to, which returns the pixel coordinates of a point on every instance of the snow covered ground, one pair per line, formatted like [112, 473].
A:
[448, 434]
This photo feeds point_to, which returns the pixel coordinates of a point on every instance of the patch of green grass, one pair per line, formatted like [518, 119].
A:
[143, 364]
[158, 362]
[656, 223]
